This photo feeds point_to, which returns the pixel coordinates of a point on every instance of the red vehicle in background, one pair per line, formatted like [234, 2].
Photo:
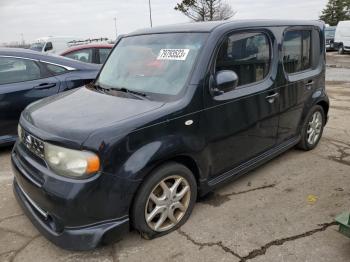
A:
[90, 53]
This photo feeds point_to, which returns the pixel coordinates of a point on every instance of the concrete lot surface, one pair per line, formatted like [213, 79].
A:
[282, 211]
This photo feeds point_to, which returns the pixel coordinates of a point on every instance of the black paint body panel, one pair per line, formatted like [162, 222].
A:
[231, 133]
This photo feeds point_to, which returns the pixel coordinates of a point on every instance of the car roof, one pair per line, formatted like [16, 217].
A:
[80, 47]
[345, 22]
[232, 24]
[55, 59]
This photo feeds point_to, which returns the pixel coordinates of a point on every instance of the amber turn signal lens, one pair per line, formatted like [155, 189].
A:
[93, 164]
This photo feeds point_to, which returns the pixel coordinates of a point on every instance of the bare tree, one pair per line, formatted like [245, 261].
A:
[224, 12]
[205, 10]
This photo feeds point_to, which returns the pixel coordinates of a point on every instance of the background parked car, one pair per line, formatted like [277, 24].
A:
[330, 33]
[26, 76]
[342, 37]
[92, 53]
[53, 45]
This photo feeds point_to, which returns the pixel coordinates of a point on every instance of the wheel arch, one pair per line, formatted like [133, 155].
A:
[319, 97]
[324, 105]
[182, 159]
[188, 162]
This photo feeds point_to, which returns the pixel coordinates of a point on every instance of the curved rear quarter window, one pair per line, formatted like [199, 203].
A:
[297, 51]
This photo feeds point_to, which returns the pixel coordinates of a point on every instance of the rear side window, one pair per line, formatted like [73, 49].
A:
[297, 51]
[103, 53]
[247, 54]
[15, 70]
[55, 69]
[84, 55]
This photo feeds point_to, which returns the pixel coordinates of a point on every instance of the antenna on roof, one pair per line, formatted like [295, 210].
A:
[150, 12]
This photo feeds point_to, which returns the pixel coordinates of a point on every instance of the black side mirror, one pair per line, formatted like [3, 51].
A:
[48, 46]
[225, 80]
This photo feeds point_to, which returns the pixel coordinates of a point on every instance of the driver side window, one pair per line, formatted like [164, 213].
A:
[15, 70]
[247, 54]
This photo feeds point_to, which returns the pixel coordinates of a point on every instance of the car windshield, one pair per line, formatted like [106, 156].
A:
[330, 33]
[157, 64]
[37, 46]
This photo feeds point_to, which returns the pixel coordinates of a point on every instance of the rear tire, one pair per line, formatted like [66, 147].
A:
[341, 50]
[312, 128]
[165, 200]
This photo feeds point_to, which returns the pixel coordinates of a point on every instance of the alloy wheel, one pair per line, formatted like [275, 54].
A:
[167, 203]
[314, 128]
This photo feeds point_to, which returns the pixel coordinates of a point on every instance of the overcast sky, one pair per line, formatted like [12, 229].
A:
[94, 18]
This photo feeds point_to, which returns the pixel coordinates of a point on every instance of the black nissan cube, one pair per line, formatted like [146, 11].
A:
[175, 112]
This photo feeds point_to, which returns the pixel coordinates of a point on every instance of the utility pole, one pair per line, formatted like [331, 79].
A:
[150, 12]
[115, 26]
[22, 39]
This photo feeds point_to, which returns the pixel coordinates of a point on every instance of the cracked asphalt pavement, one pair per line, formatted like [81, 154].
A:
[282, 211]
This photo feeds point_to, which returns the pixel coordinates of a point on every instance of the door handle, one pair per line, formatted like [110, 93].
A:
[309, 84]
[45, 86]
[271, 98]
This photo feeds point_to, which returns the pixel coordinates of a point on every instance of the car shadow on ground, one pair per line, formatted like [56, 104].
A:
[5, 150]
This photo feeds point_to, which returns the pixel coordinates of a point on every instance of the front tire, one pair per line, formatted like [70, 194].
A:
[312, 129]
[341, 50]
[164, 201]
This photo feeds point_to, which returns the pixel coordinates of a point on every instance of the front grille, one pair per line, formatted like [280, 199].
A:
[43, 213]
[34, 145]
[328, 41]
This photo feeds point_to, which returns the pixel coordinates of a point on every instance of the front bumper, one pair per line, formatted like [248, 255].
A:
[73, 214]
[80, 238]
[330, 46]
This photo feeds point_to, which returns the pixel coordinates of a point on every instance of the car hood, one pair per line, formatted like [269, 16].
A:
[74, 115]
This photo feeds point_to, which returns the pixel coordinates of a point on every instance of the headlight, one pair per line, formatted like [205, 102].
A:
[72, 163]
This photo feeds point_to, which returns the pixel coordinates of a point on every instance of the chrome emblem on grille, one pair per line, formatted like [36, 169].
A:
[33, 144]
[28, 140]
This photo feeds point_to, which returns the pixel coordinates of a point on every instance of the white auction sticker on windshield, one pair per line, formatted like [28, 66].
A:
[173, 54]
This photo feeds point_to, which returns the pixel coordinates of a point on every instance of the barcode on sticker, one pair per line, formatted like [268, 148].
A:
[173, 54]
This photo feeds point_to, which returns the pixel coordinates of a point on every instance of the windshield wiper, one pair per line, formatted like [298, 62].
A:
[96, 86]
[120, 89]
[129, 91]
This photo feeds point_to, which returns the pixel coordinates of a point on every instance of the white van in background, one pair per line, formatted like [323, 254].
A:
[342, 37]
[53, 45]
